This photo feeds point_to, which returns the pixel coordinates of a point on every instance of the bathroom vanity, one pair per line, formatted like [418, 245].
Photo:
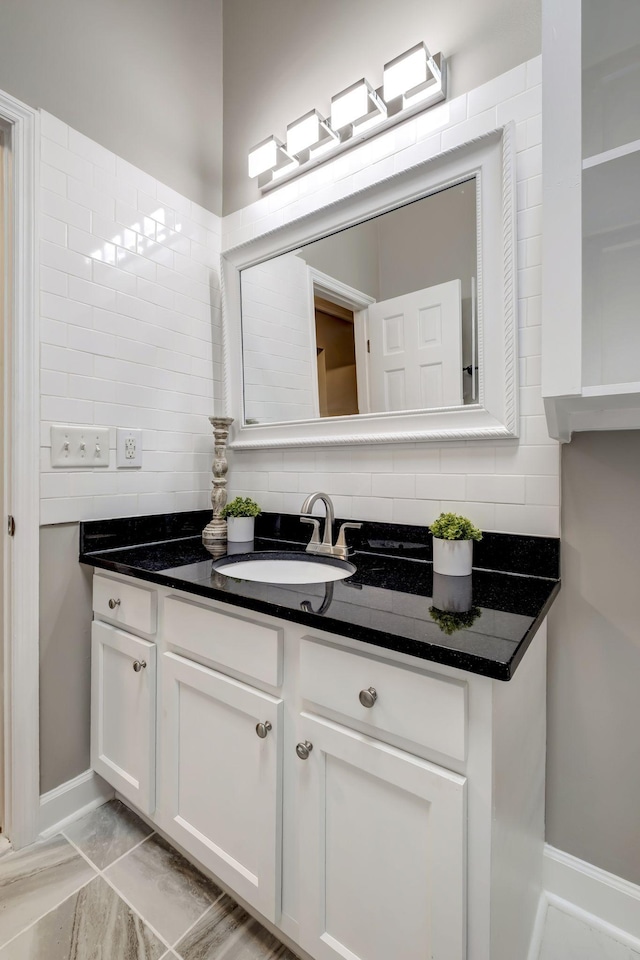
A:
[368, 785]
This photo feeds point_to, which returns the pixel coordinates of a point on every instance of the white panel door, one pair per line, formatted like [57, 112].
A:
[382, 851]
[220, 781]
[416, 349]
[123, 707]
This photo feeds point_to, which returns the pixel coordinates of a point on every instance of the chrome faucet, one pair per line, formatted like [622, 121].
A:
[340, 548]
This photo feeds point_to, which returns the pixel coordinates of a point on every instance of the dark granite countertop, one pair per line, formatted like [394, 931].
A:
[389, 602]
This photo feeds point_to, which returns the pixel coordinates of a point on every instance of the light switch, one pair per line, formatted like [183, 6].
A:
[74, 446]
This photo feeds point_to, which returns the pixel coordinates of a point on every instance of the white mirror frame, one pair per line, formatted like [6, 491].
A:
[491, 159]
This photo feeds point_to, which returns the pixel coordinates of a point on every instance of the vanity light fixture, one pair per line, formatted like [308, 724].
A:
[413, 81]
[269, 155]
[309, 132]
[414, 76]
[356, 105]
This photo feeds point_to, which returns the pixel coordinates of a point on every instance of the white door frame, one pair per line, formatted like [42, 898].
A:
[22, 475]
[345, 296]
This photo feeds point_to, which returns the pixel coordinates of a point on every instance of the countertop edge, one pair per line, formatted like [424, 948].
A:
[468, 662]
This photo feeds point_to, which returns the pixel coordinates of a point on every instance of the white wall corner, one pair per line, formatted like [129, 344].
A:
[72, 800]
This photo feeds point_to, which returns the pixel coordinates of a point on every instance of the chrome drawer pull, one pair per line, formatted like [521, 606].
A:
[113, 603]
[139, 665]
[368, 697]
[262, 729]
[304, 749]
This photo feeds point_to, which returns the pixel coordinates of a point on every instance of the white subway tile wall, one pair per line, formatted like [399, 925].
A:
[130, 329]
[276, 339]
[510, 486]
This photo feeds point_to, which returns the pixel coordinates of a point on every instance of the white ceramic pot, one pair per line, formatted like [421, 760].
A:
[454, 558]
[240, 529]
[452, 594]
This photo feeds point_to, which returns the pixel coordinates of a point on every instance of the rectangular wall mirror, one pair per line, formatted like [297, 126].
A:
[389, 315]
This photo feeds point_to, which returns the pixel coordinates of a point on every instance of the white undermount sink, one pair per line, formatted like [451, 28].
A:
[284, 567]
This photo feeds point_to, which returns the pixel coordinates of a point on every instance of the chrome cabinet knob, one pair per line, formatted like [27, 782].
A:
[262, 729]
[139, 665]
[304, 749]
[368, 697]
[113, 604]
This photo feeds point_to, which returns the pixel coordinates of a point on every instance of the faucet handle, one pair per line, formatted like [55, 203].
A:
[341, 543]
[315, 536]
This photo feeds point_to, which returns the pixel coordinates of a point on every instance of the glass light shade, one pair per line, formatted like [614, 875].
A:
[354, 104]
[263, 157]
[307, 132]
[406, 72]
[266, 156]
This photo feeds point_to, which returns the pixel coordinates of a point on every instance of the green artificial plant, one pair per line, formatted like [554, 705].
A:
[241, 507]
[451, 526]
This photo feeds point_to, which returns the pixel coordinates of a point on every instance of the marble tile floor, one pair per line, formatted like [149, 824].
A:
[109, 888]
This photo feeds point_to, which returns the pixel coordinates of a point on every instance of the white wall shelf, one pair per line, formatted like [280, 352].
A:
[613, 389]
[591, 216]
[607, 155]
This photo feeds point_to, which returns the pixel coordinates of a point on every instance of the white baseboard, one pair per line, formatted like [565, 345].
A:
[600, 899]
[72, 799]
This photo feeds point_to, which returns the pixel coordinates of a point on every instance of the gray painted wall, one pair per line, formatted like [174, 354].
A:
[65, 657]
[351, 256]
[416, 246]
[593, 763]
[142, 78]
[283, 57]
[430, 242]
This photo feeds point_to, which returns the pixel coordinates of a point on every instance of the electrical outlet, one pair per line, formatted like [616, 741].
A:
[79, 446]
[128, 448]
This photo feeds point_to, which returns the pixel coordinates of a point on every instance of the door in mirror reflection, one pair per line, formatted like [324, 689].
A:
[415, 350]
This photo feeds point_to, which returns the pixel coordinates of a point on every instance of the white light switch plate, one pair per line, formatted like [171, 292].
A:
[128, 448]
[74, 446]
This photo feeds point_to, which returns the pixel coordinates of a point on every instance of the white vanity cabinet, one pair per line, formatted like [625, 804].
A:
[379, 820]
[220, 786]
[123, 694]
[382, 850]
[591, 215]
[220, 745]
[365, 803]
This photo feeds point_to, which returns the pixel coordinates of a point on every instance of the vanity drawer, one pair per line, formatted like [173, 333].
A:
[236, 642]
[420, 707]
[128, 605]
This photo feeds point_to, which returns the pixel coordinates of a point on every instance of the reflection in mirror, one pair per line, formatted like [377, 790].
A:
[379, 317]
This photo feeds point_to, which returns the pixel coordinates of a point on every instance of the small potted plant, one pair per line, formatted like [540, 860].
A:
[453, 538]
[240, 515]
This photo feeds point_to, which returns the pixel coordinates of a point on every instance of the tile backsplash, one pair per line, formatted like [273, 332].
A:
[510, 486]
[130, 329]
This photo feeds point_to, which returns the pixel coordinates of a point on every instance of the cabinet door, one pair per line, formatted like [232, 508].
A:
[382, 851]
[221, 781]
[123, 706]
